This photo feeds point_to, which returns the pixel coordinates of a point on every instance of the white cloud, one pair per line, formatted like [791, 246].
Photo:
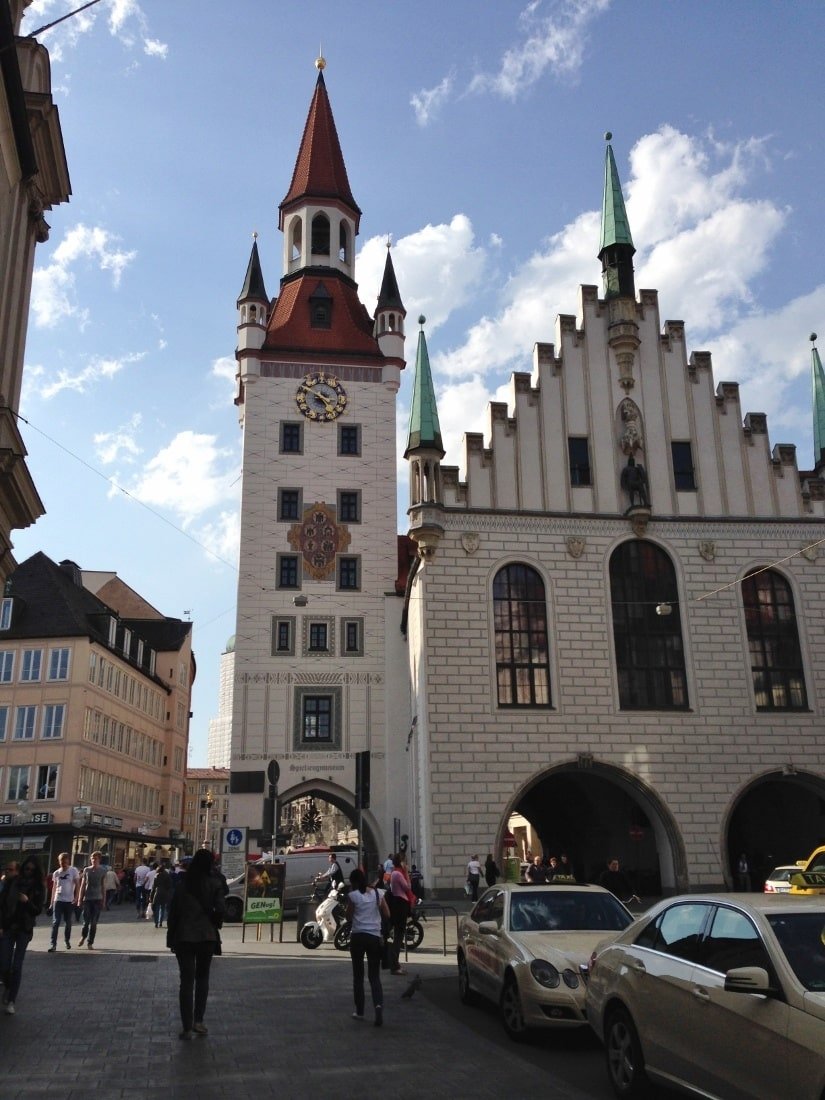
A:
[120, 443]
[429, 101]
[126, 21]
[225, 367]
[222, 537]
[96, 369]
[189, 476]
[437, 268]
[53, 285]
[555, 41]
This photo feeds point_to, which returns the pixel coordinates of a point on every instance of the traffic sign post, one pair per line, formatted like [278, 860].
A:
[233, 851]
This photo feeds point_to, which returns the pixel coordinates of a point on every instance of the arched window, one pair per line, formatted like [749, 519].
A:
[773, 638]
[647, 628]
[296, 239]
[320, 235]
[522, 654]
[343, 243]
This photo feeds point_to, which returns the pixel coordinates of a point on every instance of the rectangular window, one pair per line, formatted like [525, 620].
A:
[287, 570]
[59, 664]
[24, 723]
[317, 718]
[6, 665]
[47, 781]
[683, 472]
[349, 573]
[578, 453]
[349, 506]
[292, 438]
[318, 638]
[18, 782]
[4, 722]
[352, 637]
[289, 504]
[283, 637]
[349, 439]
[30, 670]
[5, 612]
[53, 716]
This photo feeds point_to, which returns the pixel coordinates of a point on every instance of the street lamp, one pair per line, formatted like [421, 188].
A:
[24, 816]
[208, 803]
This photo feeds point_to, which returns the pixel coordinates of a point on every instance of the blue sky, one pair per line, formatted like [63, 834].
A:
[473, 134]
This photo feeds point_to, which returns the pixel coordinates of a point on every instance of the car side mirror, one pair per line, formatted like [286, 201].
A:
[749, 979]
[488, 928]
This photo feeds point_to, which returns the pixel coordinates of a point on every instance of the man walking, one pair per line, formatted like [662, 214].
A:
[65, 884]
[141, 896]
[92, 897]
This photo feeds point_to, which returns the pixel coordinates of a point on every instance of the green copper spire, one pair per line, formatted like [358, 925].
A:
[616, 248]
[818, 383]
[424, 427]
[615, 226]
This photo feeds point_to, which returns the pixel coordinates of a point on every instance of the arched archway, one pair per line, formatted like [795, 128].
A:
[777, 818]
[593, 811]
[323, 794]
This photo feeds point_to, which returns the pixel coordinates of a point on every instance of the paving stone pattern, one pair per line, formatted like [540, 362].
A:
[105, 1023]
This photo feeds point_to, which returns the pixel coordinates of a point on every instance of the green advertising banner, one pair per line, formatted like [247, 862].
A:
[264, 893]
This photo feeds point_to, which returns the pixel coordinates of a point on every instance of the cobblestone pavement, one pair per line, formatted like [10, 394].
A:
[105, 1023]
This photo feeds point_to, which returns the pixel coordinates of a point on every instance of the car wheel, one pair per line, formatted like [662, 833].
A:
[342, 936]
[466, 995]
[234, 908]
[311, 936]
[623, 1053]
[413, 935]
[512, 1015]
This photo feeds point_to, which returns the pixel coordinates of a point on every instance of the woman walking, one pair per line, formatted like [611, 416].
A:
[365, 910]
[22, 897]
[196, 912]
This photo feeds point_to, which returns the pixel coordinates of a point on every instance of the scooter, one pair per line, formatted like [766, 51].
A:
[329, 916]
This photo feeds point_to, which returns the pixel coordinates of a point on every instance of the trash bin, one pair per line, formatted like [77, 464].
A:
[306, 912]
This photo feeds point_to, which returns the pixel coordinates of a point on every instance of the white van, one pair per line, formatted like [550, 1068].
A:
[302, 866]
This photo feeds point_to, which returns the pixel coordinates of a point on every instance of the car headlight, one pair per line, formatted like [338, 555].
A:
[571, 979]
[545, 973]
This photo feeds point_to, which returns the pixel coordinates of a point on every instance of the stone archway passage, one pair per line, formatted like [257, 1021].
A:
[778, 819]
[598, 812]
[321, 796]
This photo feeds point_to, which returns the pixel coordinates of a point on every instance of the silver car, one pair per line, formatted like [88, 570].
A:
[720, 997]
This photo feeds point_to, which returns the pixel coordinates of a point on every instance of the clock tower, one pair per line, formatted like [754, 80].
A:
[318, 642]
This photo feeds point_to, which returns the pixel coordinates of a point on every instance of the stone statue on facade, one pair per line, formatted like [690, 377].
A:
[634, 483]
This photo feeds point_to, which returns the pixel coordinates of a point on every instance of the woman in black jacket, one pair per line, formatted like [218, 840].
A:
[196, 913]
[22, 896]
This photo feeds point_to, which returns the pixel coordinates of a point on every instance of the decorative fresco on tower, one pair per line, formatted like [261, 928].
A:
[318, 538]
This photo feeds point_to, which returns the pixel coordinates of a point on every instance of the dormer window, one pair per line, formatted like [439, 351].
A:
[5, 612]
[320, 307]
[320, 235]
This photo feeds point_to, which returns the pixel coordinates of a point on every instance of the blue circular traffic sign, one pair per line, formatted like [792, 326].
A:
[234, 837]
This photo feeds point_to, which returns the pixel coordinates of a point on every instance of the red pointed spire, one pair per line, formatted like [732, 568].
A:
[320, 172]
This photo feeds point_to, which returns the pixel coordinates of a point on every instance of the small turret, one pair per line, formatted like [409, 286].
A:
[616, 254]
[389, 321]
[424, 452]
[253, 304]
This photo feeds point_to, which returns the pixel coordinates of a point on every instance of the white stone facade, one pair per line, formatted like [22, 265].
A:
[686, 770]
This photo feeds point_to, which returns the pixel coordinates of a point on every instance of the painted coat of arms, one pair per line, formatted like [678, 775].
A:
[318, 538]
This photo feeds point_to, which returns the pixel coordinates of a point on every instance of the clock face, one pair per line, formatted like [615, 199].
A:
[321, 397]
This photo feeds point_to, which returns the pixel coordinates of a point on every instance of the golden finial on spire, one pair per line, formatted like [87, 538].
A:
[320, 61]
[389, 241]
[254, 234]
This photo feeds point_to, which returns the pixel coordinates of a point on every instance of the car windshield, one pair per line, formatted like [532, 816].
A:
[781, 874]
[570, 911]
[802, 938]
